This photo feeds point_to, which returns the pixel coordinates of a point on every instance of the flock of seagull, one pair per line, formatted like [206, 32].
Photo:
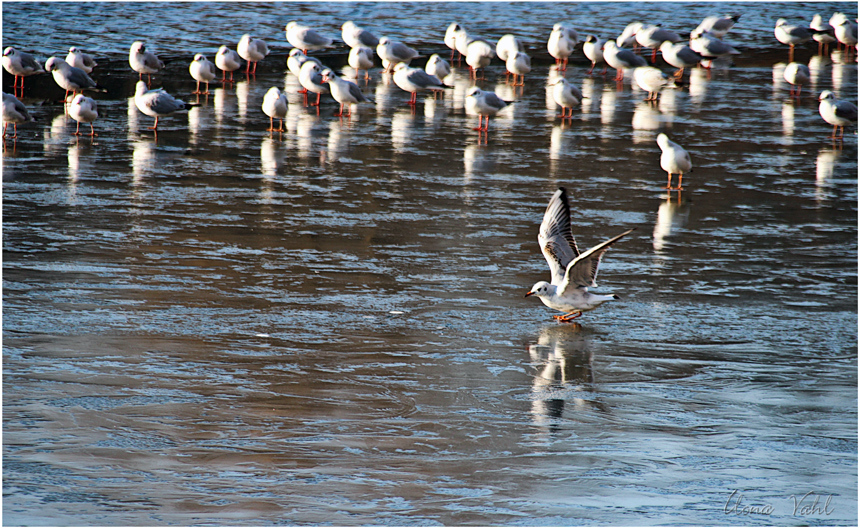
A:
[572, 271]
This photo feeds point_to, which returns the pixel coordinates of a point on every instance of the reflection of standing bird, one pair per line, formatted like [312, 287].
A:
[674, 160]
[572, 272]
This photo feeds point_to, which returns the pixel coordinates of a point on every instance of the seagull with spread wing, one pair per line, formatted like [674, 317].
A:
[572, 272]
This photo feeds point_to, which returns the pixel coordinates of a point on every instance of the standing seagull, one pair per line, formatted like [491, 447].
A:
[620, 58]
[355, 36]
[275, 106]
[155, 103]
[20, 65]
[68, 77]
[79, 59]
[824, 39]
[305, 38]
[311, 78]
[560, 45]
[653, 36]
[227, 60]
[796, 74]
[572, 272]
[837, 113]
[650, 79]
[680, 56]
[485, 104]
[718, 25]
[203, 71]
[14, 112]
[414, 80]
[84, 110]
[593, 50]
[394, 52]
[343, 91]
[437, 66]
[566, 96]
[793, 35]
[674, 160]
[252, 50]
[519, 63]
[451, 37]
[361, 58]
[143, 61]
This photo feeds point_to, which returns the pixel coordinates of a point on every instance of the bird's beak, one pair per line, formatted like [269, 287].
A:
[529, 294]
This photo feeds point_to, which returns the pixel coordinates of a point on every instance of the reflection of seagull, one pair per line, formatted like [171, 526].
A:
[670, 216]
[837, 113]
[572, 272]
[564, 361]
[674, 160]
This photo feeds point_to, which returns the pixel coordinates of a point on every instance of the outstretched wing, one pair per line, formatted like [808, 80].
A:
[555, 236]
[582, 271]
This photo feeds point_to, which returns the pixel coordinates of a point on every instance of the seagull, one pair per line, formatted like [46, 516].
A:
[846, 33]
[305, 38]
[203, 71]
[227, 60]
[680, 56]
[437, 66]
[485, 104]
[674, 160]
[572, 272]
[628, 36]
[650, 79]
[275, 106]
[68, 77]
[395, 52]
[296, 60]
[709, 46]
[620, 59]
[718, 25]
[462, 41]
[827, 37]
[415, 80]
[837, 113]
[653, 36]
[311, 78]
[355, 36]
[343, 91]
[252, 50]
[519, 64]
[20, 65]
[155, 103]
[84, 110]
[451, 37]
[14, 112]
[593, 49]
[361, 58]
[793, 35]
[560, 45]
[79, 59]
[479, 53]
[143, 61]
[796, 74]
[506, 46]
[566, 96]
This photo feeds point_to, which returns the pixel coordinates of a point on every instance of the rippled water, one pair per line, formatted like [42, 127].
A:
[222, 326]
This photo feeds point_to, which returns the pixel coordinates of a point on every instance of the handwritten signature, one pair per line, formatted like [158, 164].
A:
[805, 505]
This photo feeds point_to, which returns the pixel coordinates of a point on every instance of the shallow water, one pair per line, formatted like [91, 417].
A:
[221, 326]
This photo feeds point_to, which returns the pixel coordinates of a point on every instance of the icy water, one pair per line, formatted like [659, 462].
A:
[225, 326]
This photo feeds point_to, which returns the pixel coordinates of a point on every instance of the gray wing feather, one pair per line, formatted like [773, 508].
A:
[402, 51]
[582, 271]
[80, 77]
[366, 38]
[689, 56]
[27, 61]
[423, 79]
[495, 101]
[164, 103]
[355, 91]
[846, 110]
[315, 39]
[152, 62]
[556, 238]
[631, 58]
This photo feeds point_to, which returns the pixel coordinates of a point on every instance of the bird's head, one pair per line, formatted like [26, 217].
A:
[540, 289]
